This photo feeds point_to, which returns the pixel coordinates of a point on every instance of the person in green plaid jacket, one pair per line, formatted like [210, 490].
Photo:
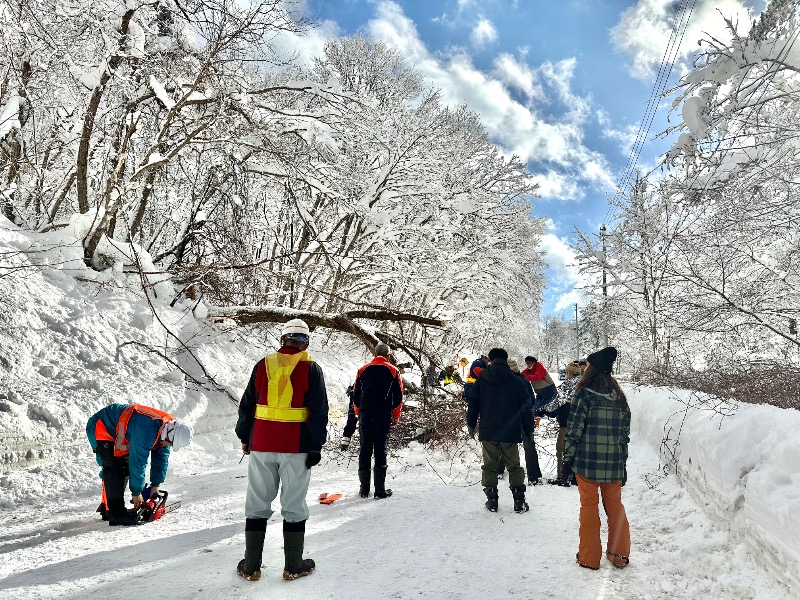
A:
[596, 450]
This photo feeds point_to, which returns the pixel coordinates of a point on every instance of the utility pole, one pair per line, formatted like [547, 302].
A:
[577, 336]
[605, 287]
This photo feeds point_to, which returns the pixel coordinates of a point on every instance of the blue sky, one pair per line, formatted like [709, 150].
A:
[562, 83]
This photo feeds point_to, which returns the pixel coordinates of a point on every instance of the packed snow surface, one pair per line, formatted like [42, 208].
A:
[712, 496]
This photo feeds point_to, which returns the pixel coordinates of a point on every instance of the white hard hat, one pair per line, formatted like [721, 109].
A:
[295, 327]
[180, 434]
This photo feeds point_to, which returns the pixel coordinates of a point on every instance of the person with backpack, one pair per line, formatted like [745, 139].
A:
[378, 401]
[283, 420]
[596, 450]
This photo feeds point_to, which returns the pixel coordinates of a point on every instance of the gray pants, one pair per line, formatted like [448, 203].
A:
[265, 472]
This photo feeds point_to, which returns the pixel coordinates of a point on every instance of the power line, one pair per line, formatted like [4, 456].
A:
[664, 71]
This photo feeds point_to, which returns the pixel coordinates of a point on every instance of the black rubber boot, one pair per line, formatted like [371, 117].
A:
[250, 566]
[364, 477]
[295, 566]
[119, 515]
[520, 506]
[491, 498]
[380, 484]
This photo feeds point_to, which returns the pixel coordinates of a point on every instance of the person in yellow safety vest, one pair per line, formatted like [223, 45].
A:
[449, 375]
[283, 420]
[122, 438]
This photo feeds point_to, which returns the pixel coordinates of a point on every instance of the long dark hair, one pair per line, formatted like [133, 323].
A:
[598, 381]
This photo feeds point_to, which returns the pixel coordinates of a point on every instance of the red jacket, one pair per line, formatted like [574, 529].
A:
[536, 373]
[538, 376]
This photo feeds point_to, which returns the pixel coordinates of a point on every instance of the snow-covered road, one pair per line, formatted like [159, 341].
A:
[432, 539]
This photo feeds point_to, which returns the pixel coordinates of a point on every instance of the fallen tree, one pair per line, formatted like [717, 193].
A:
[343, 321]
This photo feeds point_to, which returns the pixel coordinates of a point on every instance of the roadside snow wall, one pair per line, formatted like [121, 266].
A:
[744, 468]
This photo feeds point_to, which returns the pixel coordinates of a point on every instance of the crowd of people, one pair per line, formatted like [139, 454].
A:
[282, 426]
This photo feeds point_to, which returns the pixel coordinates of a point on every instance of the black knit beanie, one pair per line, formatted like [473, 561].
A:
[602, 360]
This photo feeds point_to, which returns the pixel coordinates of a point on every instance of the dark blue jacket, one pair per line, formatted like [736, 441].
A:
[475, 369]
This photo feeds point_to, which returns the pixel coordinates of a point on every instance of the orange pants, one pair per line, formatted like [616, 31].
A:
[619, 533]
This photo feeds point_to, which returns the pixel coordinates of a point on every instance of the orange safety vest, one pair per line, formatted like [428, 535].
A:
[278, 402]
[121, 443]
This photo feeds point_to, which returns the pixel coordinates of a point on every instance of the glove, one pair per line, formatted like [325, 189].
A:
[313, 458]
[471, 432]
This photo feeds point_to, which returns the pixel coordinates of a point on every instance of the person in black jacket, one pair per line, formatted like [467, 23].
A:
[502, 403]
[378, 400]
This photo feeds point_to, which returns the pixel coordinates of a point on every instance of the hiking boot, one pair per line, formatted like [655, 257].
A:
[558, 481]
[491, 498]
[380, 483]
[520, 506]
[364, 478]
[534, 482]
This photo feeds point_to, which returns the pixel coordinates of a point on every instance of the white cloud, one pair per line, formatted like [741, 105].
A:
[483, 33]
[309, 45]
[625, 137]
[517, 128]
[644, 30]
[518, 75]
[559, 76]
[553, 184]
[564, 280]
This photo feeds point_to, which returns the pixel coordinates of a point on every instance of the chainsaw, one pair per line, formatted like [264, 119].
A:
[154, 507]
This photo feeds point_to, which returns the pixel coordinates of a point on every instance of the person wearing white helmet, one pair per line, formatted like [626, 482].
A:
[283, 420]
[122, 438]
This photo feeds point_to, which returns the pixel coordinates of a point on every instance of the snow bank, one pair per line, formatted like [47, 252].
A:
[745, 467]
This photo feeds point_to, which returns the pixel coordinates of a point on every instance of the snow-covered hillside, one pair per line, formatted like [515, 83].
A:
[725, 527]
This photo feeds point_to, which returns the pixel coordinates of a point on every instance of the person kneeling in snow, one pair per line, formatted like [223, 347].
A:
[122, 437]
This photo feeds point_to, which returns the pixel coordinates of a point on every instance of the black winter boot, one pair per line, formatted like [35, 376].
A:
[492, 497]
[119, 515]
[520, 506]
[380, 482]
[295, 566]
[364, 476]
[250, 566]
